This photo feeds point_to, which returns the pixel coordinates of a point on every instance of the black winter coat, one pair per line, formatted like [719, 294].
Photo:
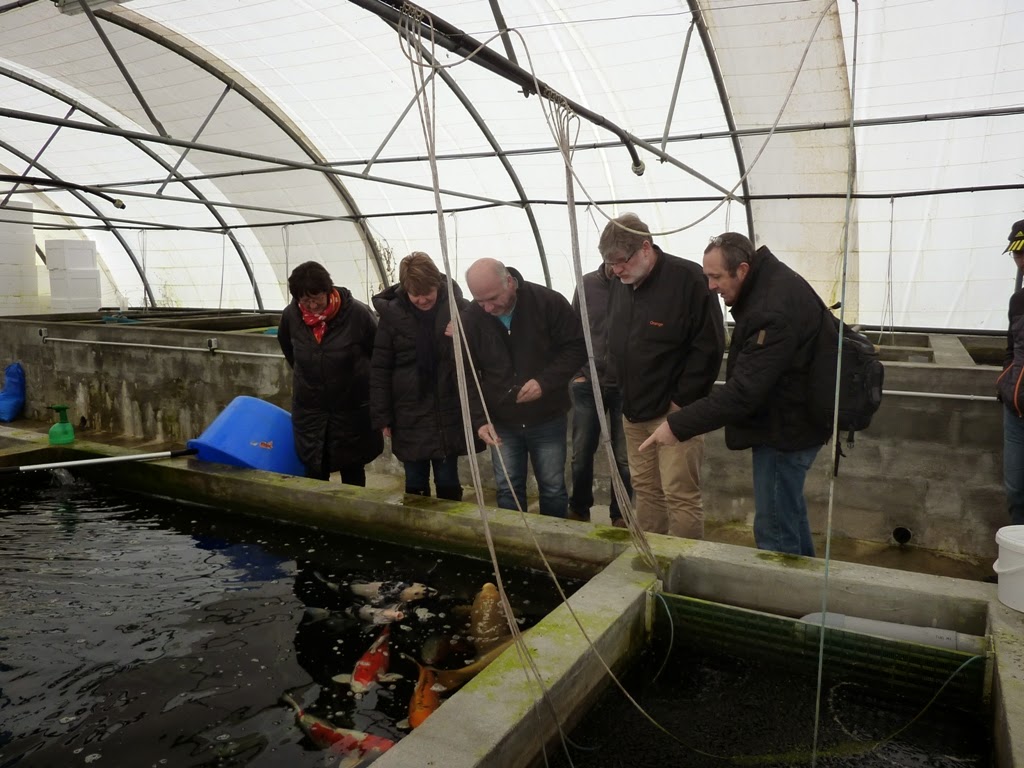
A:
[425, 417]
[331, 385]
[764, 399]
[666, 338]
[1011, 380]
[545, 342]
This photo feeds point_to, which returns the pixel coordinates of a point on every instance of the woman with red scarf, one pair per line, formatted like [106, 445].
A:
[327, 338]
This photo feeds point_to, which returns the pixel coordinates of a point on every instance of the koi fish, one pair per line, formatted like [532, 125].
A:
[372, 665]
[487, 623]
[373, 615]
[391, 591]
[325, 735]
[424, 699]
[450, 679]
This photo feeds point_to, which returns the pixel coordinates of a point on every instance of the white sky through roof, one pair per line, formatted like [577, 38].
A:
[274, 92]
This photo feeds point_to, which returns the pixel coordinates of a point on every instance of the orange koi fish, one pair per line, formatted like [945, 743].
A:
[345, 740]
[424, 697]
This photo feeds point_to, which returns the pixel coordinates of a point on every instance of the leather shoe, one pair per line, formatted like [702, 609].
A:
[619, 522]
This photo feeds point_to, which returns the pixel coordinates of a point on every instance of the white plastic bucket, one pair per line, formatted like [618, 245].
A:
[1010, 566]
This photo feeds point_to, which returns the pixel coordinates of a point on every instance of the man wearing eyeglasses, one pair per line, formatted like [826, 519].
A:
[665, 344]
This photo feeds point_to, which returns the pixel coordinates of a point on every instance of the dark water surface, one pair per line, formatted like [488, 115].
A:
[141, 632]
[727, 710]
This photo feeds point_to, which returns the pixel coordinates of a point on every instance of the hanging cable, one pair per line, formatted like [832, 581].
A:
[851, 175]
[889, 303]
[223, 262]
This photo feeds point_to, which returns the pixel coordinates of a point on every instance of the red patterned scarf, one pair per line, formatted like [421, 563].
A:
[317, 321]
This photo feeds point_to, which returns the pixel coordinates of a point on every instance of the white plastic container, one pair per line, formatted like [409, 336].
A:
[1010, 566]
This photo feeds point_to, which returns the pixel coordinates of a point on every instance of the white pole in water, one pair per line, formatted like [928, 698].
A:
[104, 460]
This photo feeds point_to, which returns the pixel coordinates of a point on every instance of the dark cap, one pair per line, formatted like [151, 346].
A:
[1016, 238]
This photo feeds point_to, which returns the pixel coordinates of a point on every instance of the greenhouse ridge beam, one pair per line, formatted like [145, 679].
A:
[485, 57]
[142, 147]
[455, 40]
[493, 141]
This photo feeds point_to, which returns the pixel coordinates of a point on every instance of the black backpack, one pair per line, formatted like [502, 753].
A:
[860, 384]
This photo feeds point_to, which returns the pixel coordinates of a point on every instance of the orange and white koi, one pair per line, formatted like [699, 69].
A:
[372, 665]
[344, 740]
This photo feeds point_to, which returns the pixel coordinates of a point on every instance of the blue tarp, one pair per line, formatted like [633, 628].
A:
[12, 396]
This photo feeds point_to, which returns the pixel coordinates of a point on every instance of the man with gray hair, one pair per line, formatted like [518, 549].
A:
[526, 343]
[665, 344]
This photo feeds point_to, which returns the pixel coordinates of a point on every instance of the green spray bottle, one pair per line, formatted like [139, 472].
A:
[61, 433]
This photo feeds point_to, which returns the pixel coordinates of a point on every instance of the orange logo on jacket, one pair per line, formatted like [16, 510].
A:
[657, 324]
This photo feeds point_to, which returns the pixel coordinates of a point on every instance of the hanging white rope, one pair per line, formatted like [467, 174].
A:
[851, 169]
[223, 262]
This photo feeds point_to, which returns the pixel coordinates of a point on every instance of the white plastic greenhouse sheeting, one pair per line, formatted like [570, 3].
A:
[323, 82]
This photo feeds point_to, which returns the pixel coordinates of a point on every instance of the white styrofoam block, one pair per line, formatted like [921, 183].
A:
[70, 254]
[70, 305]
[75, 285]
[17, 281]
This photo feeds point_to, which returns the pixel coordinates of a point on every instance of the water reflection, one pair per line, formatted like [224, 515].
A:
[139, 632]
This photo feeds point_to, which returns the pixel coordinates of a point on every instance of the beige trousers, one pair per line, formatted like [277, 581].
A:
[666, 482]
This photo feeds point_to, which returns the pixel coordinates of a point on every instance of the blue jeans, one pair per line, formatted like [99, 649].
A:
[446, 476]
[1013, 465]
[545, 446]
[586, 436]
[780, 509]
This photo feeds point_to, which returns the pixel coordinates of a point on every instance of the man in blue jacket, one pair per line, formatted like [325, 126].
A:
[526, 343]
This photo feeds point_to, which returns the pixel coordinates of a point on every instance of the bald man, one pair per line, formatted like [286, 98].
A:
[526, 343]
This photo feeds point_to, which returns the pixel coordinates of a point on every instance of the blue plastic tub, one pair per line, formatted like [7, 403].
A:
[251, 433]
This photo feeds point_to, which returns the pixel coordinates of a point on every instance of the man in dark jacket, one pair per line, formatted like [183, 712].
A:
[586, 427]
[526, 344]
[1010, 390]
[763, 404]
[665, 346]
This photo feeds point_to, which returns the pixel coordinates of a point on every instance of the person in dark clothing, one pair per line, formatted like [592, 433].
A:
[665, 344]
[1010, 391]
[763, 404]
[586, 427]
[327, 339]
[526, 344]
[414, 396]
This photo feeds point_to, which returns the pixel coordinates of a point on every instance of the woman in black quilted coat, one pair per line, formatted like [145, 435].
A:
[414, 398]
[327, 339]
